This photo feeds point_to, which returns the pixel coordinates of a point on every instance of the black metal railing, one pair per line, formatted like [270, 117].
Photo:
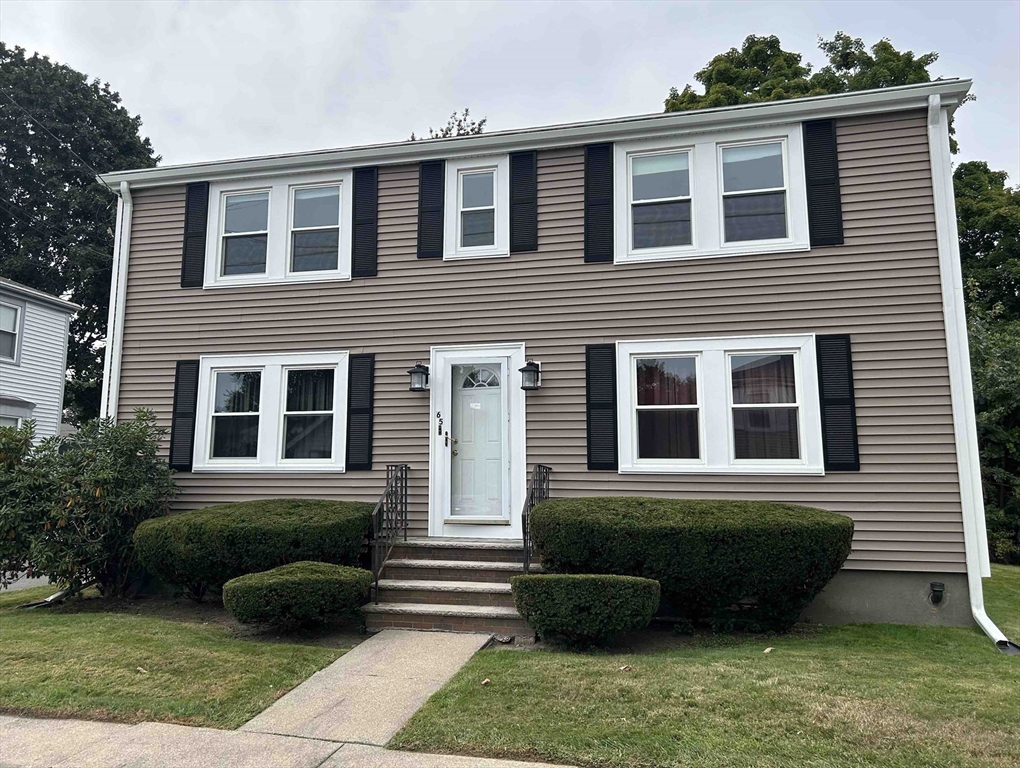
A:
[538, 491]
[389, 520]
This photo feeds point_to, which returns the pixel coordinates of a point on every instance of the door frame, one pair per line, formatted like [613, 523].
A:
[441, 360]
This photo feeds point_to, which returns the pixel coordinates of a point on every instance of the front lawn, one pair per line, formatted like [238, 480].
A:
[869, 695]
[155, 659]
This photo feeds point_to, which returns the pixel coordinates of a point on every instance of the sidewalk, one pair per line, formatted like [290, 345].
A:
[339, 718]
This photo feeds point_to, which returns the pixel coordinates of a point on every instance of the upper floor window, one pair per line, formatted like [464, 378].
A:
[477, 208]
[742, 191]
[10, 326]
[290, 229]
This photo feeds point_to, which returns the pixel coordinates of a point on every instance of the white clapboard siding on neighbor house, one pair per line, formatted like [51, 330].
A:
[39, 375]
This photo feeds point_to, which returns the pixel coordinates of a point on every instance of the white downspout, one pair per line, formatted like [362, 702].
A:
[118, 295]
[960, 384]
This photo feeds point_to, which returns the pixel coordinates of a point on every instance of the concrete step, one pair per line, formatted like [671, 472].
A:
[447, 618]
[483, 593]
[408, 569]
[499, 550]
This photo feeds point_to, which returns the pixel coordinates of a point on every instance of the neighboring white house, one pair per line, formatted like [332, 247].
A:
[33, 356]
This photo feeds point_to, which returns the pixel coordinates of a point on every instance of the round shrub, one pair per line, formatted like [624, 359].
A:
[582, 609]
[209, 547]
[754, 564]
[298, 594]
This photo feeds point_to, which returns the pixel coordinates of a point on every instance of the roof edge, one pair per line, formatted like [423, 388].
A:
[36, 295]
[951, 93]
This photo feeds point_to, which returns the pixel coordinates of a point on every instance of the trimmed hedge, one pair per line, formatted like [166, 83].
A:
[298, 594]
[582, 609]
[209, 547]
[753, 564]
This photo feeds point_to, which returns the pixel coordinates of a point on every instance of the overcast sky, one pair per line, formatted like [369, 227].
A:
[219, 80]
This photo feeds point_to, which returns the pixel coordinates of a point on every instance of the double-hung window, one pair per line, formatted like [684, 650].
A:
[740, 405]
[245, 233]
[272, 412]
[477, 208]
[754, 191]
[10, 421]
[660, 200]
[315, 229]
[10, 325]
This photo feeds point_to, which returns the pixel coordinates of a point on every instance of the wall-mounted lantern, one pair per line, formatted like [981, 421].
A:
[531, 375]
[419, 377]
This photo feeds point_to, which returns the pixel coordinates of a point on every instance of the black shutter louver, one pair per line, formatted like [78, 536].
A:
[839, 414]
[182, 421]
[600, 385]
[431, 188]
[196, 213]
[366, 222]
[360, 398]
[523, 201]
[821, 169]
[598, 203]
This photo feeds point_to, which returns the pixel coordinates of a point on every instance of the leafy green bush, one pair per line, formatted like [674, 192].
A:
[298, 594]
[209, 547]
[750, 563]
[582, 609]
[69, 506]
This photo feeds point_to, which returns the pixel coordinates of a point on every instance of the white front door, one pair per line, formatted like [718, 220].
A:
[477, 471]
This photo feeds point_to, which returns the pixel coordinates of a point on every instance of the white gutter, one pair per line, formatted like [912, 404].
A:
[975, 536]
[118, 295]
[549, 137]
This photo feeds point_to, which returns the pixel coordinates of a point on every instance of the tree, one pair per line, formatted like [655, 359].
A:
[457, 125]
[56, 218]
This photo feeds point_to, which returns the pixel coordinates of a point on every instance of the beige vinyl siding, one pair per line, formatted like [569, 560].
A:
[881, 286]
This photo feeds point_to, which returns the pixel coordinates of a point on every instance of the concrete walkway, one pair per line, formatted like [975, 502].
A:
[339, 718]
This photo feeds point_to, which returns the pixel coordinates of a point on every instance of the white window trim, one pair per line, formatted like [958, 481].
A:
[714, 401]
[18, 327]
[705, 169]
[278, 238]
[452, 250]
[271, 404]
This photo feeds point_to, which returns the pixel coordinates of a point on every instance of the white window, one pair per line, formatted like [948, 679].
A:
[742, 405]
[10, 421]
[707, 195]
[275, 412]
[294, 229]
[477, 208]
[10, 325]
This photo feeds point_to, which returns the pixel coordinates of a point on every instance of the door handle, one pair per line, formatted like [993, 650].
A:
[454, 451]
[447, 439]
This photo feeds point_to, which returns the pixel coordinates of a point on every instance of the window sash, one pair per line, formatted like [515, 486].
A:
[14, 332]
[462, 209]
[632, 203]
[784, 156]
[695, 406]
[794, 406]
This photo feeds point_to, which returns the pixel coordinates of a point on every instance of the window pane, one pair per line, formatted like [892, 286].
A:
[477, 228]
[8, 318]
[238, 391]
[658, 176]
[315, 250]
[244, 255]
[318, 207]
[755, 217]
[476, 190]
[235, 437]
[7, 344]
[310, 390]
[667, 381]
[308, 437]
[759, 166]
[668, 434]
[8, 421]
[763, 379]
[765, 433]
[247, 213]
[657, 225]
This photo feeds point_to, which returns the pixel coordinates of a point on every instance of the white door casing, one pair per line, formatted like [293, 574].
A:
[477, 411]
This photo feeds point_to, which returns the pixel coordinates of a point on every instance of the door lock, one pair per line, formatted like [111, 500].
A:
[447, 440]
[454, 451]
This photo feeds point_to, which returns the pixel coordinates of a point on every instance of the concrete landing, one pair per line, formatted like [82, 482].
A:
[368, 694]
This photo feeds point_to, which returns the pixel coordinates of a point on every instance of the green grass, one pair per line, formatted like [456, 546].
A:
[151, 660]
[868, 695]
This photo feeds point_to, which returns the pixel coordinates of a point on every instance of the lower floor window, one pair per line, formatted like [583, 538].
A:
[10, 421]
[764, 403]
[308, 418]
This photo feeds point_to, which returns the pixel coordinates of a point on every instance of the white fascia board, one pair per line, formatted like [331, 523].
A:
[39, 297]
[950, 92]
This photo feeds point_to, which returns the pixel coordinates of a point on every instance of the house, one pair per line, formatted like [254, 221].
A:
[33, 357]
[758, 302]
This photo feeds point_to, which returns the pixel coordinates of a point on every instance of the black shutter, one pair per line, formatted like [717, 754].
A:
[598, 203]
[360, 386]
[182, 422]
[366, 222]
[523, 201]
[839, 415]
[600, 380]
[821, 168]
[196, 213]
[431, 186]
